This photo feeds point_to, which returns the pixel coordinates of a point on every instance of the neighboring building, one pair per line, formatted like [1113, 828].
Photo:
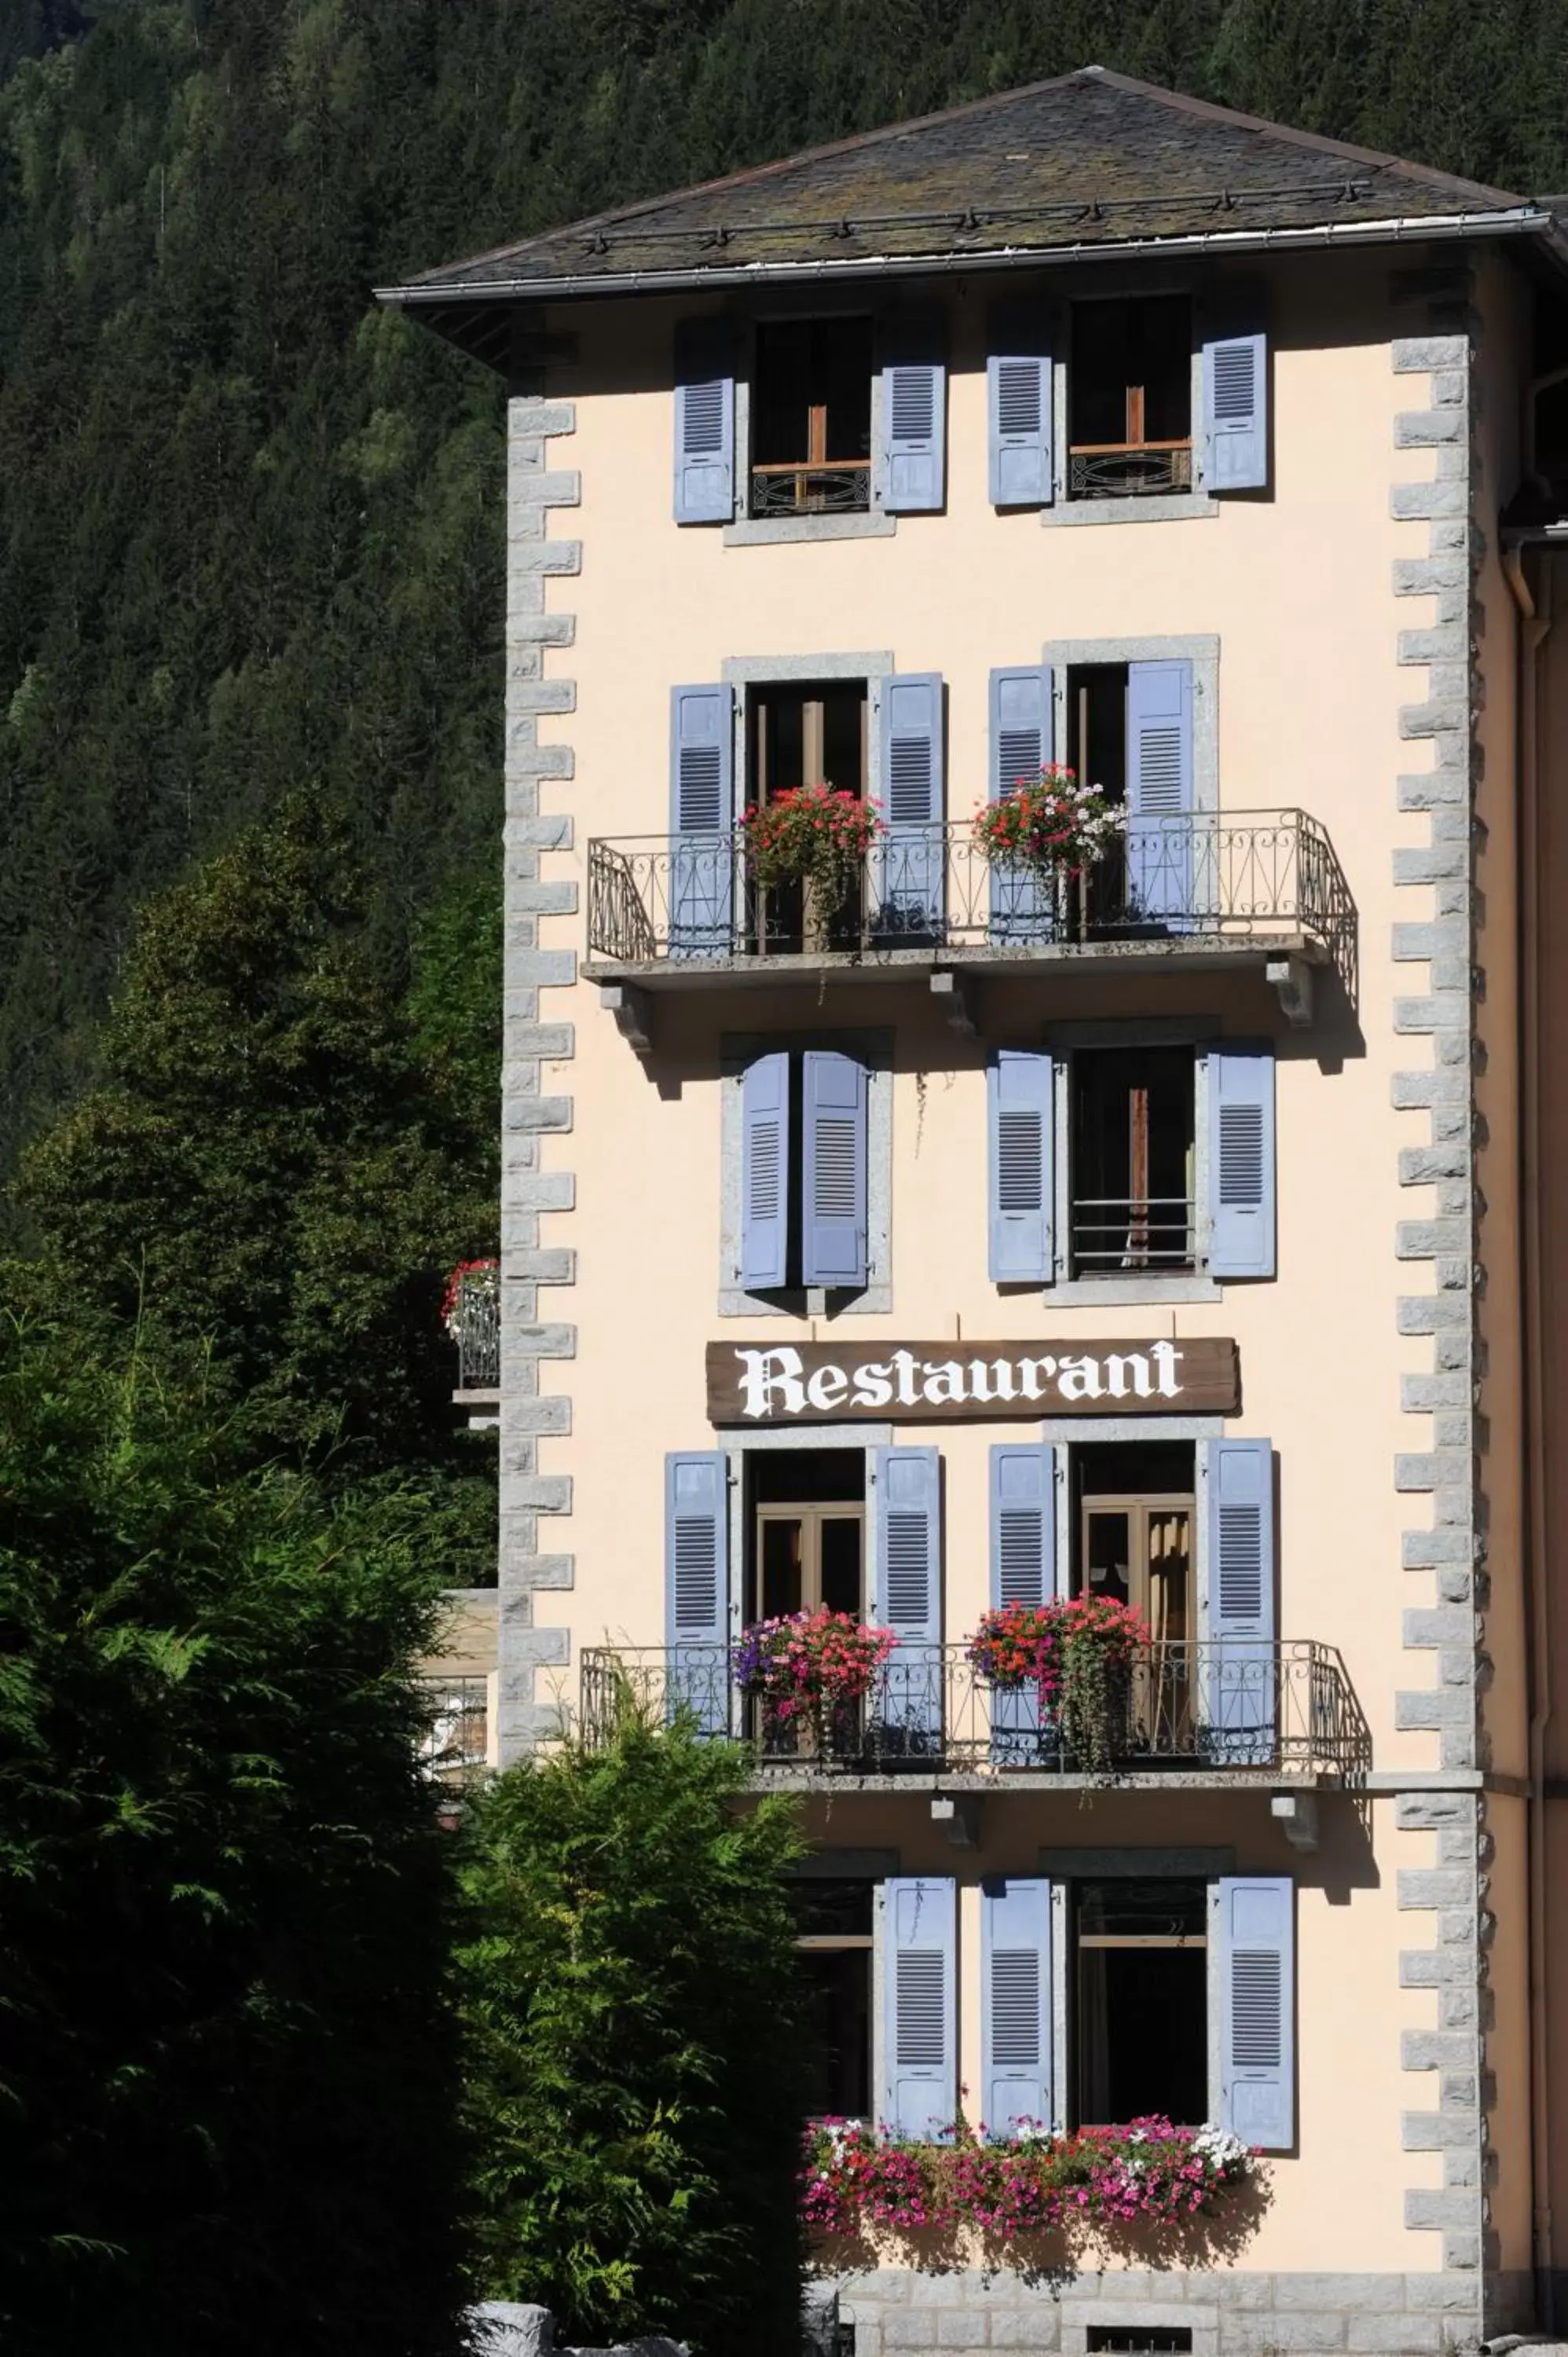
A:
[1160, 1237]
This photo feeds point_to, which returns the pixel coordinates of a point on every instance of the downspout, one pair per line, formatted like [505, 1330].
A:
[1535, 622]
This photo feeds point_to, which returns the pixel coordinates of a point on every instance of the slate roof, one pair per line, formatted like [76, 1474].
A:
[1090, 165]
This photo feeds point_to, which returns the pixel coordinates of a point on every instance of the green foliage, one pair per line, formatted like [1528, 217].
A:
[268, 1171]
[226, 2053]
[634, 2076]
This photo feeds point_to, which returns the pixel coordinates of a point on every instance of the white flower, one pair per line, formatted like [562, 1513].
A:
[1219, 2149]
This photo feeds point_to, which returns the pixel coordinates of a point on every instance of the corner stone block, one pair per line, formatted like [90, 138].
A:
[1425, 2210]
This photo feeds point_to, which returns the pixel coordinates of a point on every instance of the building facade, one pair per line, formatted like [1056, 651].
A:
[950, 1232]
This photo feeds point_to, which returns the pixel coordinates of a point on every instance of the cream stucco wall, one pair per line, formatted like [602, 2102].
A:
[1297, 587]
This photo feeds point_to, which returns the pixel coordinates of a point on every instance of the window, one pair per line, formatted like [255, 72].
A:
[1141, 2001]
[833, 1942]
[807, 735]
[811, 418]
[1130, 398]
[803, 1172]
[1132, 1144]
[1135, 1542]
[808, 1532]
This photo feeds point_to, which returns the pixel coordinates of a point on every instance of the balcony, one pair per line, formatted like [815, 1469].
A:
[1221, 1713]
[1202, 891]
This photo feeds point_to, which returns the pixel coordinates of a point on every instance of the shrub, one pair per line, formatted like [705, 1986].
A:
[635, 2077]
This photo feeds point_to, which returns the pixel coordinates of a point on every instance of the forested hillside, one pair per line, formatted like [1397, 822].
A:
[248, 536]
[250, 529]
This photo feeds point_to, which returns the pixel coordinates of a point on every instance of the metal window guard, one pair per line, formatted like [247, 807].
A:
[457, 1738]
[1128, 470]
[1199, 877]
[477, 1329]
[1111, 1232]
[1216, 1706]
[823, 486]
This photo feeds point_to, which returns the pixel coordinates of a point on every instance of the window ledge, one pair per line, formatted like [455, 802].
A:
[768, 532]
[874, 1299]
[1163, 506]
[1134, 1291]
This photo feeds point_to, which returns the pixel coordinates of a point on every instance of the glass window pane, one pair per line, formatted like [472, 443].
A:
[841, 1564]
[782, 1543]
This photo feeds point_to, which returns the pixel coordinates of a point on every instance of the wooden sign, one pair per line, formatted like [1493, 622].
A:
[968, 1383]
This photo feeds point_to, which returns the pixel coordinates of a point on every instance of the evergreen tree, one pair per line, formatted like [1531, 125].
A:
[227, 2108]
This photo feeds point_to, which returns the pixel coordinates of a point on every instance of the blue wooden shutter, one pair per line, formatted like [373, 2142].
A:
[1018, 401]
[1239, 1708]
[701, 816]
[1023, 1571]
[1159, 788]
[697, 1586]
[908, 1599]
[1257, 2009]
[832, 1170]
[1022, 1166]
[1235, 413]
[1014, 2004]
[704, 422]
[1241, 1161]
[764, 1173]
[1022, 908]
[910, 859]
[921, 2012]
[912, 453]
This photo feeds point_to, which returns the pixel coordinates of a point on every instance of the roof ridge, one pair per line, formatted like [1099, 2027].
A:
[755, 172]
[1210, 111]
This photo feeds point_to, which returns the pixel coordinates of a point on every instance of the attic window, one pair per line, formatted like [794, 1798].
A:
[1130, 398]
[811, 418]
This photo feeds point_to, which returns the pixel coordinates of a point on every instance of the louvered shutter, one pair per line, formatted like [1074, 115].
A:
[1159, 790]
[912, 471]
[701, 794]
[1014, 2004]
[921, 2014]
[764, 1173]
[1241, 1161]
[832, 1170]
[910, 856]
[1022, 907]
[908, 1599]
[1023, 1571]
[1257, 2009]
[1018, 400]
[1235, 413]
[697, 1586]
[1240, 1711]
[704, 422]
[1020, 1087]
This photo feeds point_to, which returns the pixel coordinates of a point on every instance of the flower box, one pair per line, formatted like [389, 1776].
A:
[1050, 824]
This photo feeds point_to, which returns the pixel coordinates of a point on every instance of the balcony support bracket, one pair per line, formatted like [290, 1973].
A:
[958, 1813]
[1296, 1816]
[1292, 978]
[958, 995]
[633, 1012]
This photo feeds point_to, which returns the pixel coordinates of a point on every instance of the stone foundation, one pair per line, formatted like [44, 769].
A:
[1230, 2313]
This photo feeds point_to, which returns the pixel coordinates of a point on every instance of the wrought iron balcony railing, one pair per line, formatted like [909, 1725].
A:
[1283, 1708]
[1203, 877]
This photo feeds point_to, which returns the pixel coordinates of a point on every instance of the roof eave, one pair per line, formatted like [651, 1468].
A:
[1511, 222]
